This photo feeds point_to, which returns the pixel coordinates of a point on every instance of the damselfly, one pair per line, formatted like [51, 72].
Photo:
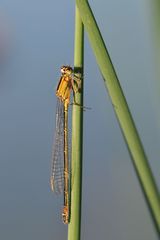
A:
[60, 174]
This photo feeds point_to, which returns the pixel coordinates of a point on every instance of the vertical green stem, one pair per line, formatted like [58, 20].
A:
[154, 7]
[122, 111]
[77, 136]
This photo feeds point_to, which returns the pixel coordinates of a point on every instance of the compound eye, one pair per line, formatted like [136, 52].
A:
[62, 69]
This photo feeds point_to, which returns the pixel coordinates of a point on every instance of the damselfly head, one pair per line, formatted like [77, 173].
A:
[66, 70]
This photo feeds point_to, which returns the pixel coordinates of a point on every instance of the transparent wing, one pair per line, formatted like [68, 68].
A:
[57, 174]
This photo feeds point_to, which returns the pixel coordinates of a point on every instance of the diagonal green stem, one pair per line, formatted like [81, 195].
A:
[77, 136]
[122, 111]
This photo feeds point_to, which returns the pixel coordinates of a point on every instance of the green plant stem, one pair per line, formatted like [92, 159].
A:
[122, 111]
[77, 136]
[154, 7]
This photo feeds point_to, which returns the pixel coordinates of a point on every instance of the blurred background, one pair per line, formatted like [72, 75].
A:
[36, 38]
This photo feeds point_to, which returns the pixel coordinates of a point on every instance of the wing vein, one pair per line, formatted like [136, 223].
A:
[57, 168]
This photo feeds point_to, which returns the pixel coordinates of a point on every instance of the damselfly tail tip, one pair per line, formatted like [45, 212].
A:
[65, 215]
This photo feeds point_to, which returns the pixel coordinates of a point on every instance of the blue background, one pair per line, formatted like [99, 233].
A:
[39, 38]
